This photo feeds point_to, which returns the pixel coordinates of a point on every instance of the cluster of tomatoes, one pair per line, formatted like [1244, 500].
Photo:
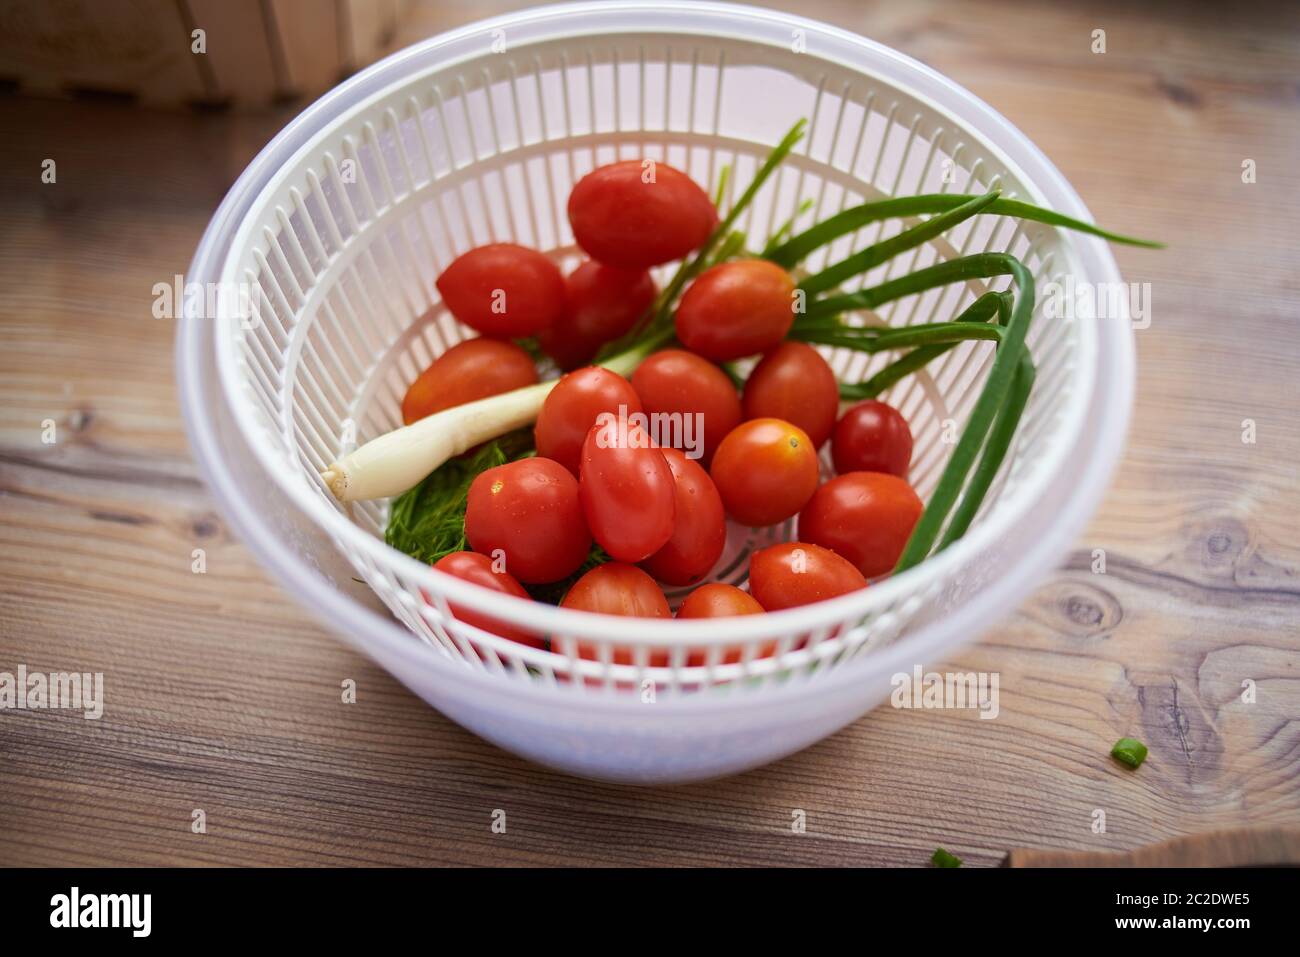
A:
[659, 514]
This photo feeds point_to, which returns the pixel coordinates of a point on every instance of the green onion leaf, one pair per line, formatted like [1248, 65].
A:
[941, 858]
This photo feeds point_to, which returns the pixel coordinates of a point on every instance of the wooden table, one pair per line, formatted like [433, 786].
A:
[223, 696]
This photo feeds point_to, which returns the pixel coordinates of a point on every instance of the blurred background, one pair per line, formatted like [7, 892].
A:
[118, 139]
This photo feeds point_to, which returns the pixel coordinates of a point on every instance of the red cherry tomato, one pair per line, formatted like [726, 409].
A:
[736, 309]
[627, 492]
[601, 303]
[867, 517]
[637, 214]
[699, 526]
[531, 511]
[470, 370]
[675, 381]
[615, 588]
[503, 290]
[872, 437]
[799, 573]
[478, 569]
[572, 408]
[793, 382]
[765, 470]
[716, 600]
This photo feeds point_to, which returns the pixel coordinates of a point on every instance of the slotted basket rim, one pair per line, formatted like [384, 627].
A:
[1047, 186]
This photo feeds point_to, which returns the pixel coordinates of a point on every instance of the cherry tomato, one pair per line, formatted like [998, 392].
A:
[793, 382]
[699, 526]
[799, 573]
[637, 214]
[601, 303]
[503, 290]
[478, 569]
[529, 509]
[470, 370]
[571, 410]
[616, 588]
[736, 309]
[872, 437]
[866, 517]
[716, 600]
[627, 492]
[678, 382]
[765, 470]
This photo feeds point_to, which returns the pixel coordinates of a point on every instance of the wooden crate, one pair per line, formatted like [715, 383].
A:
[256, 52]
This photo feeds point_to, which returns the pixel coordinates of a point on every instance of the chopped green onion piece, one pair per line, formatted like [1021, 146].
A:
[1129, 751]
[941, 858]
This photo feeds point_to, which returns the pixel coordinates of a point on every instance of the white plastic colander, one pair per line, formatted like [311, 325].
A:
[344, 221]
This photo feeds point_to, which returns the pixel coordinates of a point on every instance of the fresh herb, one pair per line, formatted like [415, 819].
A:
[941, 858]
[428, 521]
[1129, 751]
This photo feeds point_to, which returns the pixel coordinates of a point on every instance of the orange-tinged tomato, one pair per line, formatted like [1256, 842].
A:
[736, 309]
[866, 517]
[800, 573]
[636, 214]
[699, 526]
[468, 371]
[765, 471]
[793, 382]
[503, 290]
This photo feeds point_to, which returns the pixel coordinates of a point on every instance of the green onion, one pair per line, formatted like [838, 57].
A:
[887, 249]
[1129, 751]
[795, 249]
[941, 858]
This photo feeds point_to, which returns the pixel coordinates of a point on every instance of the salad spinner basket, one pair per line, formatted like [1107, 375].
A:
[324, 256]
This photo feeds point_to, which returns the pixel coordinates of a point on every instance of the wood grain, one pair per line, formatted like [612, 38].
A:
[223, 696]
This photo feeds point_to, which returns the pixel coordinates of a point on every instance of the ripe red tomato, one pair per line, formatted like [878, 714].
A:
[476, 568]
[716, 600]
[736, 309]
[793, 382]
[765, 470]
[571, 410]
[699, 526]
[503, 290]
[678, 382]
[637, 214]
[601, 303]
[531, 511]
[867, 517]
[627, 493]
[615, 588]
[798, 573]
[470, 370]
[872, 437]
